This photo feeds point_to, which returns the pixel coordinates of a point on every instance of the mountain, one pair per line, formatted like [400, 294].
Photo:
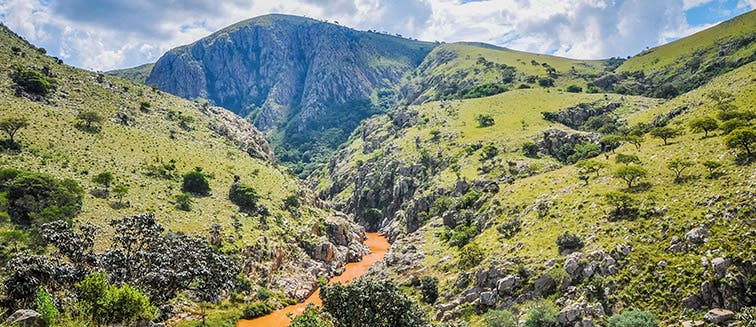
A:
[111, 148]
[513, 194]
[308, 83]
[136, 74]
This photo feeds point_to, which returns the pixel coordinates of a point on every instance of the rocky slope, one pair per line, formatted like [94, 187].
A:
[147, 139]
[292, 74]
[517, 200]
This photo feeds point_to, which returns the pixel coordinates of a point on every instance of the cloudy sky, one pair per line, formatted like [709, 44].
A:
[109, 34]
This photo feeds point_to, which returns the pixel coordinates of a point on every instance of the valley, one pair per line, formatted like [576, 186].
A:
[286, 171]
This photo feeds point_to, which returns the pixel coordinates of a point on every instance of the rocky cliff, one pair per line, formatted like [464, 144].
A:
[293, 74]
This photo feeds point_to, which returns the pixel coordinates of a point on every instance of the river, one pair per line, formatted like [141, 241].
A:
[378, 248]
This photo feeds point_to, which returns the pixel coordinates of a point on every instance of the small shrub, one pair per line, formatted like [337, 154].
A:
[470, 256]
[574, 89]
[546, 82]
[45, 306]
[484, 120]
[541, 316]
[263, 293]
[195, 182]
[124, 304]
[32, 81]
[291, 202]
[429, 289]
[499, 318]
[568, 241]
[184, 201]
[489, 152]
[509, 228]
[244, 196]
[258, 309]
[530, 149]
[633, 318]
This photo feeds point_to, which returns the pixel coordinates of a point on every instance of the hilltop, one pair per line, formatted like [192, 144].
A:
[307, 83]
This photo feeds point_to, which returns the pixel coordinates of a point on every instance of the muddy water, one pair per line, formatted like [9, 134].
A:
[378, 248]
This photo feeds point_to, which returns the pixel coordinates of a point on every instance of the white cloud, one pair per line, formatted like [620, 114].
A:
[109, 34]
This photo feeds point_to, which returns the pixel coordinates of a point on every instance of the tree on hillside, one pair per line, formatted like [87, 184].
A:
[195, 182]
[530, 149]
[12, 125]
[720, 97]
[611, 142]
[677, 165]
[103, 178]
[371, 303]
[623, 204]
[484, 120]
[665, 133]
[705, 124]
[89, 118]
[120, 191]
[742, 138]
[712, 167]
[630, 174]
[590, 166]
[635, 140]
[627, 159]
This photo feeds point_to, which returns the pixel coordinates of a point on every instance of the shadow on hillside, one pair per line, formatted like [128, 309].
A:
[119, 205]
[744, 160]
[100, 193]
[641, 187]
[91, 129]
[6, 146]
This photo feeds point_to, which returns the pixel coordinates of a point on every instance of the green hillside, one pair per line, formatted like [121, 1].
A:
[136, 74]
[81, 126]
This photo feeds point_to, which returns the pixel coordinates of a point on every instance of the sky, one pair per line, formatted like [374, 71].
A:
[109, 34]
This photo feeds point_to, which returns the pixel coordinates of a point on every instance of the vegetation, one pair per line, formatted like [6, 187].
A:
[12, 125]
[665, 133]
[569, 242]
[195, 182]
[630, 174]
[633, 318]
[484, 120]
[370, 303]
[706, 125]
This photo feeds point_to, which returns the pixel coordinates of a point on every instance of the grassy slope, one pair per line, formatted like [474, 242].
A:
[582, 210]
[706, 42]
[450, 60]
[53, 145]
[136, 74]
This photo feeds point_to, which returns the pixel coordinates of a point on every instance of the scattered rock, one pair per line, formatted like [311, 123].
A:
[720, 266]
[693, 323]
[544, 285]
[489, 298]
[696, 235]
[717, 316]
[568, 315]
[506, 285]
[571, 265]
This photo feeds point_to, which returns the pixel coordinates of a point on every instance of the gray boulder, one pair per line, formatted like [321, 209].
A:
[25, 318]
[717, 316]
[696, 235]
[489, 298]
[720, 266]
[569, 315]
[506, 285]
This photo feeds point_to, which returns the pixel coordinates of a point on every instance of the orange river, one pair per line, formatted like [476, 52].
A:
[378, 248]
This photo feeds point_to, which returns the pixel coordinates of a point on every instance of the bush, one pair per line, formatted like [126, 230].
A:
[184, 201]
[245, 197]
[510, 227]
[546, 82]
[263, 293]
[124, 304]
[195, 182]
[470, 256]
[541, 316]
[371, 303]
[569, 241]
[630, 174]
[499, 318]
[484, 120]
[39, 198]
[530, 149]
[258, 309]
[633, 318]
[32, 81]
[311, 317]
[291, 202]
[574, 89]
[429, 289]
[45, 306]
[489, 152]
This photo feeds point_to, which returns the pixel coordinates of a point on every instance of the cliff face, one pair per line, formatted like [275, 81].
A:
[288, 71]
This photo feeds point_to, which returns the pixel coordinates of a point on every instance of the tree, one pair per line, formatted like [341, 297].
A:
[45, 306]
[627, 159]
[530, 149]
[484, 120]
[712, 166]
[630, 174]
[120, 191]
[184, 201]
[590, 166]
[568, 241]
[622, 202]
[368, 302]
[720, 97]
[12, 125]
[195, 182]
[677, 165]
[635, 140]
[470, 256]
[541, 316]
[574, 89]
[489, 152]
[742, 138]
[89, 117]
[611, 142]
[311, 317]
[104, 179]
[34, 198]
[244, 196]
[665, 133]
[705, 124]
[633, 318]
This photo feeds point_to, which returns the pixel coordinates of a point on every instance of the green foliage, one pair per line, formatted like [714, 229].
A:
[590, 166]
[195, 182]
[103, 178]
[623, 204]
[569, 241]
[263, 293]
[530, 149]
[39, 198]
[633, 318]
[546, 82]
[678, 165]
[258, 309]
[747, 315]
[541, 316]
[462, 235]
[712, 166]
[485, 90]
[630, 174]
[244, 196]
[705, 124]
[32, 81]
[489, 152]
[470, 256]
[635, 140]
[11, 126]
[510, 227]
[88, 118]
[12, 242]
[429, 289]
[45, 306]
[484, 120]
[291, 202]
[120, 191]
[311, 317]
[93, 287]
[743, 138]
[627, 159]
[584, 151]
[184, 201]
[435, 135]
[370, 303]
[665, 133]
[123, 304]
[611, 142]
[499, 318]
[574, 89]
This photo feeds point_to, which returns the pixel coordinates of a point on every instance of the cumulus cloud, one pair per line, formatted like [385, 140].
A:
[110, 34]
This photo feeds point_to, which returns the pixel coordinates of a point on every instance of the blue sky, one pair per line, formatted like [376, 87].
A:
[109, 34]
